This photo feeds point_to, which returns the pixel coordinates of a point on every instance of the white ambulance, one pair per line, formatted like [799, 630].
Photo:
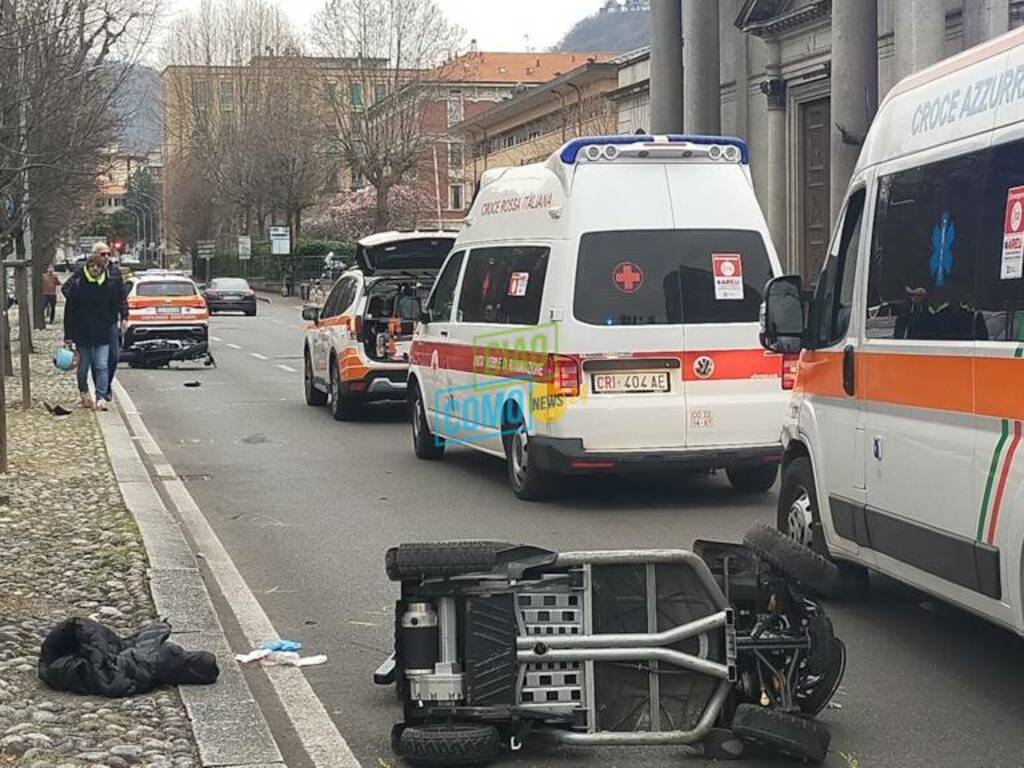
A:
[903, 439]
[599, 311]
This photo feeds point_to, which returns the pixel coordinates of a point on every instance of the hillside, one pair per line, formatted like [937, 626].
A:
[620, 26]
[139, 106]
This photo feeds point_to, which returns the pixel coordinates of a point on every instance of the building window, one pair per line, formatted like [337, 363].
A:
[455, 159]
[331, 92]
[358, 180]
[380, 92]
[509, 141]
[455, 202]
[455, 110]
[355, 94]
[201, 96]
[227, 96]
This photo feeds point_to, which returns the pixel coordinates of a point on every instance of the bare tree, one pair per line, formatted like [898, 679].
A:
[65, 62]
[243, 123]
[396, 47]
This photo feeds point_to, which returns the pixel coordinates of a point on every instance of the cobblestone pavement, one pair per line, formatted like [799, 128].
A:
[70, 548]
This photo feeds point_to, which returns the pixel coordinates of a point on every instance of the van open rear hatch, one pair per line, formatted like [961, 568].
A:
[403, 252]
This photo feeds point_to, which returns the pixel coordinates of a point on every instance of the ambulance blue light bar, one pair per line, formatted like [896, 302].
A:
[571, 150]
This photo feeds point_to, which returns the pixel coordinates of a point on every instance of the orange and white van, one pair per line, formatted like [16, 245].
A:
[903, 442]
[166, 312]
[356, 348]
[599, 312]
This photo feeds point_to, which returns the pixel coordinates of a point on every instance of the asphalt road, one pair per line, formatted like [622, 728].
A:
[306, 507]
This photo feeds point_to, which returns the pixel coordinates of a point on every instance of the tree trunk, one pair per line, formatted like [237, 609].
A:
[19, 249]
[44, 245]
[297, 229]
[380, 214]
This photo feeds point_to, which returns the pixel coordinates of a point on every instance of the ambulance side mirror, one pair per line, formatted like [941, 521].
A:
[783, 325]
[311, 314]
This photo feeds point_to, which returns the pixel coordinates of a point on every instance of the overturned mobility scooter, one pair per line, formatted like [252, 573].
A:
[720, 647]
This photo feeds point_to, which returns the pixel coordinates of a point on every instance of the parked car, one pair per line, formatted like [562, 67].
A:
[902, 444]
[575, 329]
[230, 294]
[357, 344]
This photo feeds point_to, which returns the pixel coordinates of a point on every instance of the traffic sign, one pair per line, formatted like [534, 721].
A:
[280, 241]
[205, 249]
[244, 248]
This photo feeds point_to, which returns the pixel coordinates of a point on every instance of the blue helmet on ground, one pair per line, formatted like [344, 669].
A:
[64, 358]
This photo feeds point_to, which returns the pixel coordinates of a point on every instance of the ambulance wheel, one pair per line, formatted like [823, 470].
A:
[342, 408]
[449, 744]
[314, 396]
[425, 443]
[789, 735]
[528, 481]
[752, 478]
[796, 561]
[800, 520]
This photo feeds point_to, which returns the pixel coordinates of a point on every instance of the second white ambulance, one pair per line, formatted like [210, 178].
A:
[600, 311]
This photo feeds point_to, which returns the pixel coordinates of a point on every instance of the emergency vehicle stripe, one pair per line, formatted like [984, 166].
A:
[993, 466]
[1003, 475]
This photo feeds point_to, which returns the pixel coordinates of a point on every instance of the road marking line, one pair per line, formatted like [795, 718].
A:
[317, 733]
[287, 368]
[233, 346]
[258, 356]
[216, 338]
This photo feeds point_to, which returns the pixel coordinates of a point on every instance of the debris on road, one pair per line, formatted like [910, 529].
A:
[56, 410]
[281, 645]
[193, 383]
[280, 658]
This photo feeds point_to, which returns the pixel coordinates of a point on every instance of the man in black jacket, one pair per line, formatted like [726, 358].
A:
[114, 275]
[92, 310]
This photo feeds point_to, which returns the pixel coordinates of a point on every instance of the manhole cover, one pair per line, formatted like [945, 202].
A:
[194, 477]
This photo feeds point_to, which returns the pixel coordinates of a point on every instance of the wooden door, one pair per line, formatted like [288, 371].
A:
[815, 118]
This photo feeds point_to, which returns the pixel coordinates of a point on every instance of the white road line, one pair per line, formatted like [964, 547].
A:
[320, 739]
[233, 346]
[258, 356]
[216, 338]
[287, 368]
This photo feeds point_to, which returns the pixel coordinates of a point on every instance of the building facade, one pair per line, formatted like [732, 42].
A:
[800, 80]
[530, 126]
[460, 91]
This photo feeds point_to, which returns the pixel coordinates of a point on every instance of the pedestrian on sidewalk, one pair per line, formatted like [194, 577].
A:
[51, 284]
[92, 310]
[117, 329]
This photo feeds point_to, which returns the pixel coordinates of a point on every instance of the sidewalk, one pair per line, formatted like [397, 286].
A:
[71, 547]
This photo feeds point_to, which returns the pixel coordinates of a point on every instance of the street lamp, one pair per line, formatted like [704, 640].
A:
[144, 209]
[155, 236]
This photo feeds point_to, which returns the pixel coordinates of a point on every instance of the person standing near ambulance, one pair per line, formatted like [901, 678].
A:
[91, 312]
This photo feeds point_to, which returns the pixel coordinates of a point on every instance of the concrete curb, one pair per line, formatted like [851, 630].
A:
[228, 724]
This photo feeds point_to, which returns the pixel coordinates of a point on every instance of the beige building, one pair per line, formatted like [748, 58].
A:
[801, 80]
[533, 124]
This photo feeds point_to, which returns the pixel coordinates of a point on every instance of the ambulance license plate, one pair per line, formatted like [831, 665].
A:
[168, 310]
[634, 381]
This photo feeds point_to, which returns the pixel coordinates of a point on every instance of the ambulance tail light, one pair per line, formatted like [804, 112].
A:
[566, 374]
[789, 366]
[355, 325]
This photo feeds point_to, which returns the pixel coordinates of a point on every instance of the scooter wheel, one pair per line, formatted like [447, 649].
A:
[449, 744]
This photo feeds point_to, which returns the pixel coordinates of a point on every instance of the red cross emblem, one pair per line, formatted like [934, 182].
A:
[628, 277]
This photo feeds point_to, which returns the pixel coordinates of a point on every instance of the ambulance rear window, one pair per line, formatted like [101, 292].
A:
[666, 277]
[166, 288]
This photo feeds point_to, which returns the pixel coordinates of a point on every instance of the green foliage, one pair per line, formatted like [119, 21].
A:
[323, 247]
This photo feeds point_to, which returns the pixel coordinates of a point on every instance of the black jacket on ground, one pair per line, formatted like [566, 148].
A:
[113, 273]
[91, 310]
[83, 656]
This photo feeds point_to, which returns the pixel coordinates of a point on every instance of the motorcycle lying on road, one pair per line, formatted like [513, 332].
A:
[721, 647]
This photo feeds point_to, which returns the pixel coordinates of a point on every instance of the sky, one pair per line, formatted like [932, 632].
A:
[497, 25]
